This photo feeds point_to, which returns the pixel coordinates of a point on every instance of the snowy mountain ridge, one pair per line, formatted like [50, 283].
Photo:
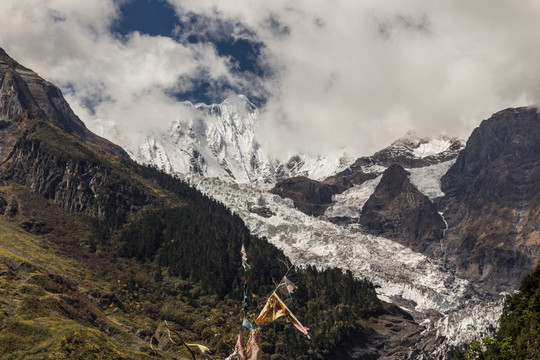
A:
[220, 140]
[414, 150]
[423, 146]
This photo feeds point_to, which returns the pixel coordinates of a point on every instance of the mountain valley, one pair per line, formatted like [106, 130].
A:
[401, 193]
[408, 253]
[103, 258]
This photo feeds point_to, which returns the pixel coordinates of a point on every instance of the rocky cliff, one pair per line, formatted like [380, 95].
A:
[25, 95]
[45, 146]
[76, 184]
[492, 202]
[399, 211]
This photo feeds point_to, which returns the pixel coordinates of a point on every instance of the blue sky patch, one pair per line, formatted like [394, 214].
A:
[152, 17]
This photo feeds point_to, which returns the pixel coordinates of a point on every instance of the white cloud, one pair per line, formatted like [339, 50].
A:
[121, 79]
[349, 73]
[364, 73]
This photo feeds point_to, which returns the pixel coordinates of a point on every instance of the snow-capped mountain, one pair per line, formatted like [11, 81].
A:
[441, 230]
[415, 146]
[412, 152]
[220, 140]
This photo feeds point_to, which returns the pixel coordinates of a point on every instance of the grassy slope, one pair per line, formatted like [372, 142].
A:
[60, 300]
[47, 310]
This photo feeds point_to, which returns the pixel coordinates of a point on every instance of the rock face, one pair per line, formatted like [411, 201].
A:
[492, 202]
[77, 185]
[399, 211]
[45, 146]
[25, 95]
[309, 196]
[394, 336]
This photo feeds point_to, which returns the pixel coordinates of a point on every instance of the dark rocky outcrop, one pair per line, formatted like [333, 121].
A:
[12, 207]
[35, 227]
[76, 184]
[492, 202]
[393, 335]
[3, 205]
[309, 196]
[350, 177]
[397, 210]
[262, 211]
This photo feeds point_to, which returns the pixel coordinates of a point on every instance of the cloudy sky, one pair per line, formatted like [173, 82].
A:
[336, 72]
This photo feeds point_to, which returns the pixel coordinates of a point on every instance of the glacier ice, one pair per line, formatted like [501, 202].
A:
[428, 179]
[414, 281]
[216, 149]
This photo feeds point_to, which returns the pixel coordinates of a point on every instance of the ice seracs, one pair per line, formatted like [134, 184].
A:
[349, 203]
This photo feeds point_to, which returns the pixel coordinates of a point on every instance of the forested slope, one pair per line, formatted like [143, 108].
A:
[518, 336]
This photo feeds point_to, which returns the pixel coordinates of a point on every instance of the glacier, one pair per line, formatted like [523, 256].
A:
[427, 179]
[421, 285]
[350, 202]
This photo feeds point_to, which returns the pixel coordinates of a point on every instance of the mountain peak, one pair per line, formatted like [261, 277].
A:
[240, 103]
[6, 60]
[25, 95]
[221, 140]
[492, 203]
[401, 212]
[421, 146]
